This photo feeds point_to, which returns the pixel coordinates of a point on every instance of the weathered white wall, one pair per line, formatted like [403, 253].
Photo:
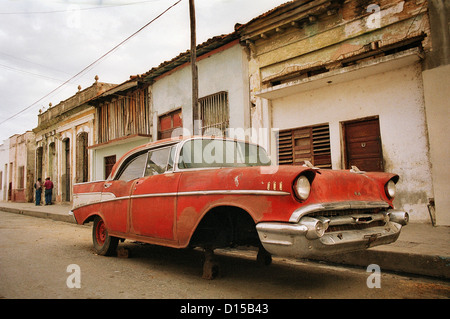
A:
[437, 105]
[223, 71]
[397, 98]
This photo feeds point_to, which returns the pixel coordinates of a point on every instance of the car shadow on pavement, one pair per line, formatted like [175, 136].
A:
[235, 265]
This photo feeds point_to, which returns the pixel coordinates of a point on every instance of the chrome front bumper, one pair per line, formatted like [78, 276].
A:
[300, 239]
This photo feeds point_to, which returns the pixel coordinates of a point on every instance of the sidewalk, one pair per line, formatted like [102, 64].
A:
[421, 248]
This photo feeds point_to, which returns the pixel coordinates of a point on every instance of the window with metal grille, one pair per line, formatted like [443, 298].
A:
[310, 143]
[214, 114]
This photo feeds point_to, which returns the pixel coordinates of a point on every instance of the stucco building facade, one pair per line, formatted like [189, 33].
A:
[21, 167]
[158, 103]
[63, 136]
[344, 83]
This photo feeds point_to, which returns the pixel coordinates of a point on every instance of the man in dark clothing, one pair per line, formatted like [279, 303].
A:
[38, 187]
[48, 185]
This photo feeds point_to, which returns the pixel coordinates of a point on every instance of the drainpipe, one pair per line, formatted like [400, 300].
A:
[432, 211]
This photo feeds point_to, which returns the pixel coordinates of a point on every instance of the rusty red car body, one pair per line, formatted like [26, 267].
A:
[298, 211]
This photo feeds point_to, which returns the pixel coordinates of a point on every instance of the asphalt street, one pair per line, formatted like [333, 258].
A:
[43, 258]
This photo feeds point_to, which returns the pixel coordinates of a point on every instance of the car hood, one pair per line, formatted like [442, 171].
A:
[344, 185]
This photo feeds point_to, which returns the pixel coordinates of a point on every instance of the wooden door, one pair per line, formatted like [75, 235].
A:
[363, 145]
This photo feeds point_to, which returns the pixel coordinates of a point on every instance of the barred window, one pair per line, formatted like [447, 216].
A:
[214, 114]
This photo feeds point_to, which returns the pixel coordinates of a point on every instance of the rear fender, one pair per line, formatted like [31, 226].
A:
[84, 215]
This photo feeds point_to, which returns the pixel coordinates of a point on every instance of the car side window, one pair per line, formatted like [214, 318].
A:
[134, 168]
[157, 161]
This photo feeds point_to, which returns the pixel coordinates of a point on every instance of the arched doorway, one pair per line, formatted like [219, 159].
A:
[82, 162]
[39, 161]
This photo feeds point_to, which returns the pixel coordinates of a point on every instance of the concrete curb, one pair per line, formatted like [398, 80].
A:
[57, 217]
[419, 264]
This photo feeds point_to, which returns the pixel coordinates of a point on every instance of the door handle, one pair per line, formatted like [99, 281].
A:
[107, 185]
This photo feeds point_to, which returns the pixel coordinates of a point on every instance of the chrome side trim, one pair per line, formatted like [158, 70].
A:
[235, 192]
[91, 182]
[302, 211]
[86, 199]
[192, 193]
[215, 192]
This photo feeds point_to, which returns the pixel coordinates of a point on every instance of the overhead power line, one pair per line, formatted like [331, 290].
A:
[92, 64]
[81, 9]
[29, 73]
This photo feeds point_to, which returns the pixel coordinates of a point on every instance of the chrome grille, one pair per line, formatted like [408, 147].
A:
[344, 212]
[377, 223]
[351, 219]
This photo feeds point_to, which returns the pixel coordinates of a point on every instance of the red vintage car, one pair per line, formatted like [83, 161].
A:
[216, 192]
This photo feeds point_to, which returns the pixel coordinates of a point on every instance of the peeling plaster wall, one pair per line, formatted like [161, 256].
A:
[437, 105]
[345, 30]
[396, 97]
[337, 36]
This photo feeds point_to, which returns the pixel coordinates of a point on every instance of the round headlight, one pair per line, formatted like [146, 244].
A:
[302, 187]
[390, 189]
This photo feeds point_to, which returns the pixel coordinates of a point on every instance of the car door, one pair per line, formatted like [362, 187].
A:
[116, 193]
[153, 200]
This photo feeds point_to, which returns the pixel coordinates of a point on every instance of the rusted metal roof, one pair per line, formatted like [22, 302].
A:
[239, 26]
[293, 13]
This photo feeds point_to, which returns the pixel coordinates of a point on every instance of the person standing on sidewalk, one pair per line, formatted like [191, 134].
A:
[48, 185]
[38, 187]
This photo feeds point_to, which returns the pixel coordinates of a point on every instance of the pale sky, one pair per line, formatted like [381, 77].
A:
[45, 43]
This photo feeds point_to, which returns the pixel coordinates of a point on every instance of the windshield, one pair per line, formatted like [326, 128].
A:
[205, 153]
